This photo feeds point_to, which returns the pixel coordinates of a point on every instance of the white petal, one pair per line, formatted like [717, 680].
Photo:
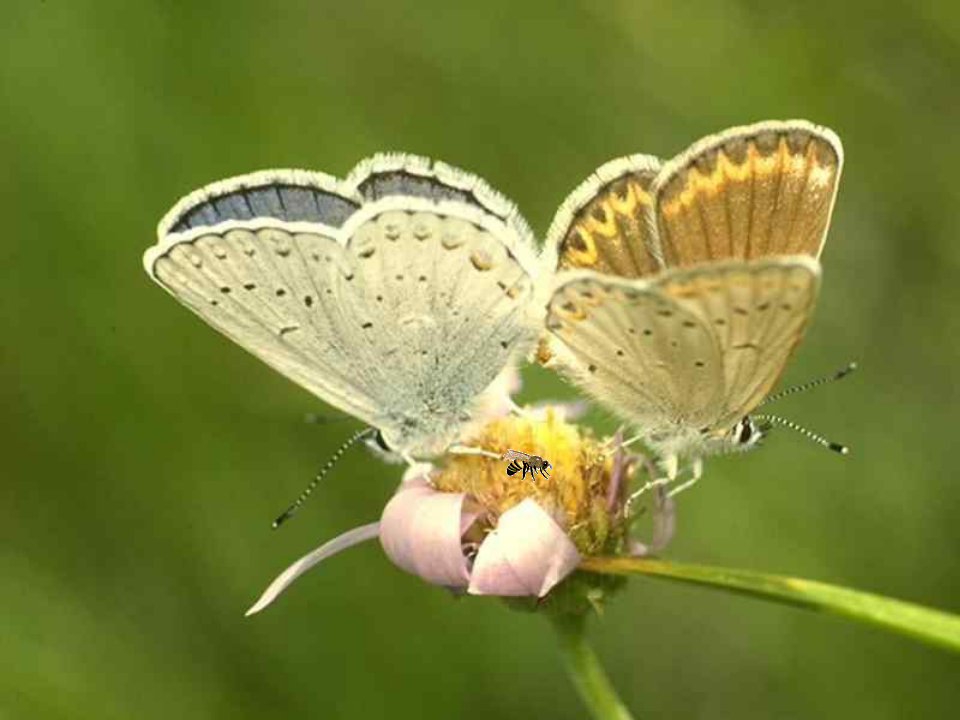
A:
[329, 549]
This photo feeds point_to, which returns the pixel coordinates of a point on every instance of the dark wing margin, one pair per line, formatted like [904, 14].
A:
[286, 195]
[404, 175]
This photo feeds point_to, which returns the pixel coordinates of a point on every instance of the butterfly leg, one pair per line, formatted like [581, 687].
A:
[613, 446]
[696, 472]
[516, 410]
[468, 450]
[669, 466]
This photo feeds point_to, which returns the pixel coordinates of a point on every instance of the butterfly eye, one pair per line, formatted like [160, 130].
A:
[381, 442]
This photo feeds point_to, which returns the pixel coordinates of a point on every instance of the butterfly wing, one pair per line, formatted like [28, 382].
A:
[397, 309]
[749, 192]
[693, 349]
[758, 312]
[635, 349]
[605, 224]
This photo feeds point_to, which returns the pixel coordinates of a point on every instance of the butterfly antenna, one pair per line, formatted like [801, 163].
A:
[803, 387]
[809, 434]
[317, 419]
[328, 466]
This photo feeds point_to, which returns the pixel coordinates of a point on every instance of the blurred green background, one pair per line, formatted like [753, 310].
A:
[145, 455]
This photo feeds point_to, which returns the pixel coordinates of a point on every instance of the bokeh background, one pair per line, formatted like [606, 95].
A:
[143, 455]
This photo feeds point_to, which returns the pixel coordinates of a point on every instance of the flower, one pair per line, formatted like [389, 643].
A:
[470, 527]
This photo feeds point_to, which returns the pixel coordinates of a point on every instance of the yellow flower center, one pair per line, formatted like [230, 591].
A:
[575, 494]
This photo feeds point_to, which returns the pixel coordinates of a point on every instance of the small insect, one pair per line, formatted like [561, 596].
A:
[520, 461]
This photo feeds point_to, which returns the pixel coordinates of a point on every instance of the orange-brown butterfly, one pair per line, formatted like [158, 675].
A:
[683, 287]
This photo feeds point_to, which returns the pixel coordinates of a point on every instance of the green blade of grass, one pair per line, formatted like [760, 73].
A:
[931, 626]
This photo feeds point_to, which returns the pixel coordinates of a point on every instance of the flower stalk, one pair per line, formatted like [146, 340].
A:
[585, 670]
[934, 627]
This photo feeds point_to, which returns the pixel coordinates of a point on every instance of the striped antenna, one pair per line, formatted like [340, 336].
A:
[352, 440]
[809, 434]
[803, 387]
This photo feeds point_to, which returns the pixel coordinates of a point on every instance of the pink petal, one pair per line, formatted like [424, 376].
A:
[617, 473]
[527, 554]
[563, 411]
[664, 525]
[329, 549]
[420, 531]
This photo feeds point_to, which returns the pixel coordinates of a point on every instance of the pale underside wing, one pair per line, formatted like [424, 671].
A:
[692, 350]
[749, 192]
[401, 314]
[605, 224]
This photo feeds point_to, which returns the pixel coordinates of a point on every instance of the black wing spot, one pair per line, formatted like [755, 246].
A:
[504, 344]
[720, 321]
[225, 290]
[740, 311]
[786, 306]
[249, 286]
[648, 332]
[689, 324]
[379, 298]
[214, 302]
[281, 292]
[308, 300]
[288, 329]
[422, 278]
[699, 363]
[619, 352]
[367, 325]
[399, 278]
[592, 368]
[665, 313]
[763, 306]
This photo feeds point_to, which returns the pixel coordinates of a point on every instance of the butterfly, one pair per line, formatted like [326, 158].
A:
[397, 295]
[685, 286]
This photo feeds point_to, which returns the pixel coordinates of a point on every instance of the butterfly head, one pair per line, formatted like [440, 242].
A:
[745, 435]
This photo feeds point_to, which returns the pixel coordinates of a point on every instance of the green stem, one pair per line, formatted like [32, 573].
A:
[931, 626]
[586, 672]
